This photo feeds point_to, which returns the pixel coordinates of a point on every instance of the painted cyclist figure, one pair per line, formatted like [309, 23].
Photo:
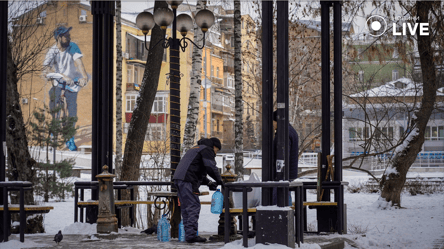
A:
[64, 59]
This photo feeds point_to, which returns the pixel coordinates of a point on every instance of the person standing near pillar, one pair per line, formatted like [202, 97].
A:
[293, 152]
[190, 174]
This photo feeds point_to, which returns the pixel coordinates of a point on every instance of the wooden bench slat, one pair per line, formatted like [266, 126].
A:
[240, 210]
[16, 207]
[95, 203]
[320, 203]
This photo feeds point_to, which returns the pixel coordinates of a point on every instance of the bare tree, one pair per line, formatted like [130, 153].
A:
[195, 85]
[23, 59]
[394, 178]
[119, 59]
[238, 125]
[142, 112]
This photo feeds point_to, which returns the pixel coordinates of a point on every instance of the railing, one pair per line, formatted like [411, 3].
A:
[427, 159]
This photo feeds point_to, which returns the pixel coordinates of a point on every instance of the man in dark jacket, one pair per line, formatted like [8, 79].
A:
[293, 153]
[190, 174]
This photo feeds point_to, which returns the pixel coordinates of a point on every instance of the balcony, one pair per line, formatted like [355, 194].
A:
[229, 69]
[132, 87]
[217, 108]
[217, 82]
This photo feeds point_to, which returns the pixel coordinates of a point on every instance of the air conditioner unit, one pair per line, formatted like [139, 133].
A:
[39, 20]
[24, 101]
[126, 55]
[82, 18]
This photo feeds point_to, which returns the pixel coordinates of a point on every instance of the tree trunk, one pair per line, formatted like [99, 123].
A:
[20, 164]
[238, 126]
[142, 112]
[195, 84]
[394, 178]
[118, 161]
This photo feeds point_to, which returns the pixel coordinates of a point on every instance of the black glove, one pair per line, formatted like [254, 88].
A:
[212, 186]
[222, 184]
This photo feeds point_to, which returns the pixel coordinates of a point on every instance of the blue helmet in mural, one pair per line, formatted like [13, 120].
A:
[60, 31]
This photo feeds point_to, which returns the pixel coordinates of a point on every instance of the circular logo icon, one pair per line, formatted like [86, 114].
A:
[376, 25]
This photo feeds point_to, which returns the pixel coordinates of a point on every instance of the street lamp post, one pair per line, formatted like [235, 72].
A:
[163, 17]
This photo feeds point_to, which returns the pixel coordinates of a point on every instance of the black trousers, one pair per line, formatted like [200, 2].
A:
[189, 206]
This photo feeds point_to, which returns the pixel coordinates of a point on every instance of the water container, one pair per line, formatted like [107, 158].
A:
[181, 231]
[159, 229]
[217, 202]
[165, 227]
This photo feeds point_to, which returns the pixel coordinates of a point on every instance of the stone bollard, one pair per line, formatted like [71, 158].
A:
[106, 220]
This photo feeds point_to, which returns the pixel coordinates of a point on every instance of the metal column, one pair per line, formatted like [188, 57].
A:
[325, 70]
[337, 45]
[3, 78]
[103, 37]
[282, 173]
[267, 98]
[174, 101]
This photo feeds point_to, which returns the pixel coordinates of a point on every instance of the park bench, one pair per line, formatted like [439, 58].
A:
[20, 208]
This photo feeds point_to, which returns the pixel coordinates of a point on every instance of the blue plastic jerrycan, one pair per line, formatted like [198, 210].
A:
[181, 231]
[217, 202]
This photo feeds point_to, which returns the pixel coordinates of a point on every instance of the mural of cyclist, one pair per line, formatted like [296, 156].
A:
[64, 59]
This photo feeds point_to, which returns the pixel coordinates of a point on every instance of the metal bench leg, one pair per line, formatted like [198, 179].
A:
[239, 218]
[5, 214]
[119, 215]
[22, 215]
[131, 214]
[76, 200]
[81, 209]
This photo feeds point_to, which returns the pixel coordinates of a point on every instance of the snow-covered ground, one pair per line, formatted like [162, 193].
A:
[419, 224]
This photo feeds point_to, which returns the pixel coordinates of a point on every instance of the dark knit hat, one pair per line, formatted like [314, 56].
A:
[216, 142]
[275, 114]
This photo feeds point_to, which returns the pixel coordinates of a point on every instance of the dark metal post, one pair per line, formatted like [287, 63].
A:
[6, 222]
[267, 98]
[337, 44]
[174, 101]
[282, 158]
[325, 61]
[22, 215]
[3, 78]
[103, 51]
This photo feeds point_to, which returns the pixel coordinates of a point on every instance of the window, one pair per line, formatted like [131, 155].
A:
[43, 14]
[230, 82]
[128, 46]
[232, 41]
[130, 102]
[164, 59]
[358, 133]
[395, 53]
[395, 74]
[159, 105]
[130, 75]
[434, 133]
[217, 125]
[155, 132]
[136, 75]
[361, 76]
[351, 133]
[83, 12]
[401, 131]
[217, 72]
[307, 129]
[388, 133]
[212, 71]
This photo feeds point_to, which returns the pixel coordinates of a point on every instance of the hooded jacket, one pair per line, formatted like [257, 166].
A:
[293, 153]
[196, 164]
